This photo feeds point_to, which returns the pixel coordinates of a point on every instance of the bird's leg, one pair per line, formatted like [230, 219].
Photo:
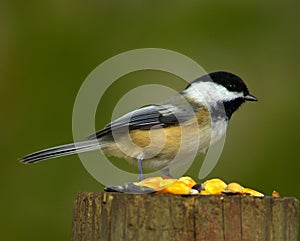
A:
[140, 166]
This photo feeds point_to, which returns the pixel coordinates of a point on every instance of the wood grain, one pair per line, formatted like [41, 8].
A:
[118, 216]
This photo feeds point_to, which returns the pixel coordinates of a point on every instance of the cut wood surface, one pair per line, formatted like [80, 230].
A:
[117, 216]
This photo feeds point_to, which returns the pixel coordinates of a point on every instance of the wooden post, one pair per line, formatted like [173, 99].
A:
[118, 216]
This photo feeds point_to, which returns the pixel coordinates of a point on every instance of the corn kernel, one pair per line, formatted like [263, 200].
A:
[214, 186]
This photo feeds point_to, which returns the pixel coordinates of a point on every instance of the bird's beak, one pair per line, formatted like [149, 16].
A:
[250, 97]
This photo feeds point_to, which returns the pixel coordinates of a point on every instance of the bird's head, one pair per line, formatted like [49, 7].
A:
[220, 88]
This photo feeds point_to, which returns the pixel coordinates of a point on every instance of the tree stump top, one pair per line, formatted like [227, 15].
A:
[120, 216]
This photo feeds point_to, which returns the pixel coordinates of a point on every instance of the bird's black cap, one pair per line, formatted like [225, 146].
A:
[230, 81]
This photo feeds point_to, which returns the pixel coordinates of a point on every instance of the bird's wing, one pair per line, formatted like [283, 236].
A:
[145, 118]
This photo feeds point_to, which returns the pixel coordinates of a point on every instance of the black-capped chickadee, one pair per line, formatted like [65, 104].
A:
[151, 136]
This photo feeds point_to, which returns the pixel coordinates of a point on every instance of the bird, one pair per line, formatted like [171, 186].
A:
[151, 136]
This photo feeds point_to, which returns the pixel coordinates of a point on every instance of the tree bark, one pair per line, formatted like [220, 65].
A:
[119, 216]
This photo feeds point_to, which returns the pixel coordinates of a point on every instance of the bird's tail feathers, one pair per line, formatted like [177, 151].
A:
[63, 150]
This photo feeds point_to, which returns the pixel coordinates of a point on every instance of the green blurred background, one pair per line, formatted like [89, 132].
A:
[47, 48]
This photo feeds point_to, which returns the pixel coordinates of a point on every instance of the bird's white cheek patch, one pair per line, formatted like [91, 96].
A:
[210, 93]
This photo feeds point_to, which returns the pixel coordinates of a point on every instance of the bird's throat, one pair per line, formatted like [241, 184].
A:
[232, 106]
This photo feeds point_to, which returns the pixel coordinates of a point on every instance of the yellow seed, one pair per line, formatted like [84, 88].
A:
[214, 186]
[204, 192]
[275, 194]
[188, 181]
[157, 183]
[178, 188]
[251, 192]
[234, 188]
